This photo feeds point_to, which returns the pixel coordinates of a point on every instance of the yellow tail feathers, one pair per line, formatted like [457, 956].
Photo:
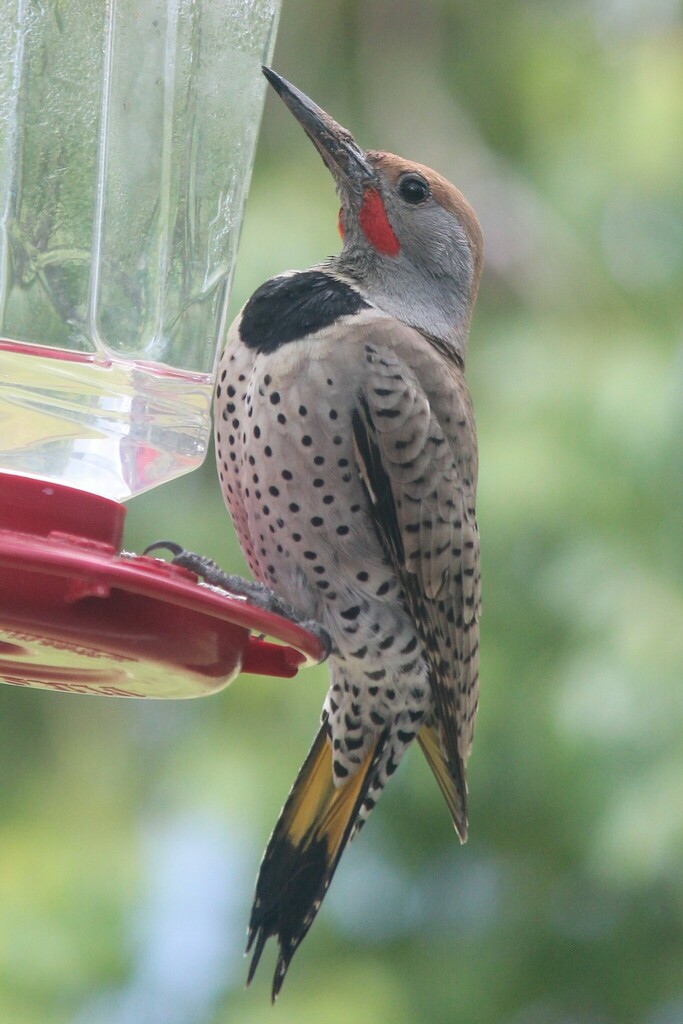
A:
[454, 789]
[316, 807]
[303, 852]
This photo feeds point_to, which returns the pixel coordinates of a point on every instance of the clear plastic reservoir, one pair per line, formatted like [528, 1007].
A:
[127, 133]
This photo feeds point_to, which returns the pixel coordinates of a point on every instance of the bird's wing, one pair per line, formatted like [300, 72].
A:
[416, 452]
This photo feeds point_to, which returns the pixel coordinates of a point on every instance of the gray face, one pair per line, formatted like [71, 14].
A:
[432, 239]
[429, 282]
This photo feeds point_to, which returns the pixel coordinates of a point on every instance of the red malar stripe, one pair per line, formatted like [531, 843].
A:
[375, 225]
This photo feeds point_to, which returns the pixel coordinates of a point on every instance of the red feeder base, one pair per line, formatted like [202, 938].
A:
[78, 615]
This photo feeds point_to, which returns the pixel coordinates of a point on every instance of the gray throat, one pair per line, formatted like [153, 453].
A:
[429, 304]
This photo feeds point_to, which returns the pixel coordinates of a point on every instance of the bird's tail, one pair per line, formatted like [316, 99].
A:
[313, 828]
[453, 784]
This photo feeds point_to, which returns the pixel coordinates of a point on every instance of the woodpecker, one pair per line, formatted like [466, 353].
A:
[347, 456]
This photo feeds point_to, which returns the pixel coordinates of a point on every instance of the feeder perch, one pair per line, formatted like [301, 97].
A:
[122, 211]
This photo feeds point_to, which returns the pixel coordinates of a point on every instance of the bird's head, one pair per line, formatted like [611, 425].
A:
[411, 240]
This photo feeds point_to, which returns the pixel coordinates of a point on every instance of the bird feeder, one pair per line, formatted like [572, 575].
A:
[127, 134]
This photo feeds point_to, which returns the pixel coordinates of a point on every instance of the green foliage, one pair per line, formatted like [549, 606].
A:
[130, 833]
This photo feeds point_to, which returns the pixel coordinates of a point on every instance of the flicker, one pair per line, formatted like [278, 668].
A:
[347, 456]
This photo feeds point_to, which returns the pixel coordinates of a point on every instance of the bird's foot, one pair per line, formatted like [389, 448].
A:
[211, 573]
[257, 594]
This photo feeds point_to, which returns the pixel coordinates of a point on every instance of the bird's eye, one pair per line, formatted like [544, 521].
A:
[413, 189]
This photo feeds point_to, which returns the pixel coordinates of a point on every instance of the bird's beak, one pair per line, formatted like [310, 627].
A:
[346, 160]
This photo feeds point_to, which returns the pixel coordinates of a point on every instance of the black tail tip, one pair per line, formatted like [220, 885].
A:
[260, 936]
[279, 976]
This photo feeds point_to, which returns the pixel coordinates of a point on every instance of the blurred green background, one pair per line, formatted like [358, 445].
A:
[130, 833]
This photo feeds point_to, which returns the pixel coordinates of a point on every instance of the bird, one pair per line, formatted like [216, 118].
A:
[347, 456]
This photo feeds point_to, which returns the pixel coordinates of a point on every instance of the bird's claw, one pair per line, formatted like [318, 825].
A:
[203, 567]
[164, 545]
[257, 594]
[321, 635]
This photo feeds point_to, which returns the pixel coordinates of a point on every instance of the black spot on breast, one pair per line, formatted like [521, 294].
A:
[285, 309]
[405, 736]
